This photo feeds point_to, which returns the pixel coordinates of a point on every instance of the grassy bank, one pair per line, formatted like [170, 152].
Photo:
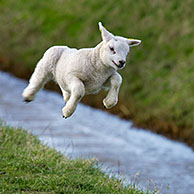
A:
[157, 90]
[26, 166]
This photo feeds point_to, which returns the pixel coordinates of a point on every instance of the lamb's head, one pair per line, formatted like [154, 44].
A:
[115, 48]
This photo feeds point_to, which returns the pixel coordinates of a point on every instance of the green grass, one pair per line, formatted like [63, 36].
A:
[157, 90]
[27, 166]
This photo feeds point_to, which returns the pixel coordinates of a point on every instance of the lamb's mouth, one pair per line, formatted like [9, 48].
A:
[119, 66]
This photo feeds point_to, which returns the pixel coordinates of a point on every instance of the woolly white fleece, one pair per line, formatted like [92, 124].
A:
[83, 71]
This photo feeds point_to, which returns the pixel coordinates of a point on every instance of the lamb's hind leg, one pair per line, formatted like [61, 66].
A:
[43, 72]
[37, 81]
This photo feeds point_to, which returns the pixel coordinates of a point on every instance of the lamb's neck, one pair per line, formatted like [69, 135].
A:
[95, 58]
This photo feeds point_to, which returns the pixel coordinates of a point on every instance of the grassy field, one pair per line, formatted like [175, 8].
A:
[158, 82]
[27, 166]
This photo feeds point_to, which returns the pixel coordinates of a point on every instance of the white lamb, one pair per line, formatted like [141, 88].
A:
[83, 71]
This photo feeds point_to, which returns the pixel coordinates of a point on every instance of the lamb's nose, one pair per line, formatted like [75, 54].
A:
[122, 62]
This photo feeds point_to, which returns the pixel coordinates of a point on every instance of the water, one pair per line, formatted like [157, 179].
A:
[138, 154]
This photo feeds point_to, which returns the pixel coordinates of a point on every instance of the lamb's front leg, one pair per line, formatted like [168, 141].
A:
[112, 98]
[77, 92]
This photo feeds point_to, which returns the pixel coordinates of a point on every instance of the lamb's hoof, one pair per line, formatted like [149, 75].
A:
[66, 112]
[64, 117]
[27, 101]
[109, 104]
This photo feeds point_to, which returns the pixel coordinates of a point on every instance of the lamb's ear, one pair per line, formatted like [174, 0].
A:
[133, 42]
[106, 35]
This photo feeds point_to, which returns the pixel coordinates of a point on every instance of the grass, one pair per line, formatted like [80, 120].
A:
[27, 166]
[157, 90]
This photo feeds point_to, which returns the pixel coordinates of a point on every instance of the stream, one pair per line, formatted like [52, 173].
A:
[150, 161]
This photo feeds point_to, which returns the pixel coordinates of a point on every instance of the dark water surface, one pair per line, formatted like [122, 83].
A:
[141, 156]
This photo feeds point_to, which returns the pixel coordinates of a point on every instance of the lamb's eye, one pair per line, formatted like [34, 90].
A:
[112, 49]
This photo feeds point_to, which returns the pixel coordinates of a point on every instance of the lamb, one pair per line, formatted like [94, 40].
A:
[79, 72]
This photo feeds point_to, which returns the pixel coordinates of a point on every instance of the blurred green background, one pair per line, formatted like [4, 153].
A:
[158, 81]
